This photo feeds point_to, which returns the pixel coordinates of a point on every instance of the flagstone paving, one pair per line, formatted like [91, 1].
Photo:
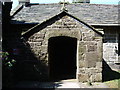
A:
[71, 83]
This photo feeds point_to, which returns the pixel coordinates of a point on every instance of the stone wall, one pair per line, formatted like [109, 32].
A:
[110, 45]
[89, 46]
[90, 63]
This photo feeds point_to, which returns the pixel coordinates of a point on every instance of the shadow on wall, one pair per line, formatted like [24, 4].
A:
[108, 74]
[28, 66]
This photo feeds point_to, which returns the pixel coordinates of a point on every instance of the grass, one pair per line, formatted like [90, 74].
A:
[113, 83]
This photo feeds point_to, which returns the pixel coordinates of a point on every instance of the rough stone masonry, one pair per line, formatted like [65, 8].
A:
[89, 46]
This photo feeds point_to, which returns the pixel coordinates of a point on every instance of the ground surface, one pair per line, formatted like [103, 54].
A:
[71, 83]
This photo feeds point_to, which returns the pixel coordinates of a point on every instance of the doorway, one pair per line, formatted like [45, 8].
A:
[62, 57]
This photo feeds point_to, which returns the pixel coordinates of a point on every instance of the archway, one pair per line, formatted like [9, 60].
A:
[62, 57]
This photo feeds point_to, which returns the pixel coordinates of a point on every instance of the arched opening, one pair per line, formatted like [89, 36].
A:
[62, 57]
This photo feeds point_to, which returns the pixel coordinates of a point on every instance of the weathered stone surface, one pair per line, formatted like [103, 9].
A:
[88, 35]
[98, 77]
[99, 50]
[91, 59]
[94, 70]
[81, 57]
[74, 34]
[98, 64]
[82, 49]
[82, 70]
[82, 64]
[92, 48]
[83, 77]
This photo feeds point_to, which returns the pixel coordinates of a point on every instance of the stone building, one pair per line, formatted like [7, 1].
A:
[53, 43]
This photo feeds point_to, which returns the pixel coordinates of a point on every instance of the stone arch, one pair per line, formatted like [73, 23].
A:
[56, 33]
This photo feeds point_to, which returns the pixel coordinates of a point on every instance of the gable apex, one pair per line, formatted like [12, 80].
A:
[52, 20]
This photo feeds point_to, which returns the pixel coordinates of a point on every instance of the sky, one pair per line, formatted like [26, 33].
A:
[15, 2]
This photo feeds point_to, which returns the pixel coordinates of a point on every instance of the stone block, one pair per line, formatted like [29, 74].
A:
[96, 77]
[55, 33]
[43, 57]
[99, 64]
[100, 50]
[82, 49]
[83, 77]
[88, 36]
[94, 70]
[82, 64]
[44, 48]
[99, 70]
[92, 78]
[82, 70]
[81, 56]
[36, 40]
[91, 48]
[91, 59]
[89, 71]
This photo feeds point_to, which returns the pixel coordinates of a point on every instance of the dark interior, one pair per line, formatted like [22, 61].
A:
[62, 57]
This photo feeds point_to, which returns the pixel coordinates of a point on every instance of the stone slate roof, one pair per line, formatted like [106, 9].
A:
[89, 13]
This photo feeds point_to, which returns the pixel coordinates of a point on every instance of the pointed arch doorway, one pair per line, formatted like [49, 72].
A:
[62, 57]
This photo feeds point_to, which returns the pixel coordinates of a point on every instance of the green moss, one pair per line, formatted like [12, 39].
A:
[113, 83]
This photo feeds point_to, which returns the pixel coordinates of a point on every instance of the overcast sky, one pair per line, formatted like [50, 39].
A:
[15, 2]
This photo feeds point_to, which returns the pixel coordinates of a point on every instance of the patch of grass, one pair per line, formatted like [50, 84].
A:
[114, 83]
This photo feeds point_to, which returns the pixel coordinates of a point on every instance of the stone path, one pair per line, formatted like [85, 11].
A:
[71, 83]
